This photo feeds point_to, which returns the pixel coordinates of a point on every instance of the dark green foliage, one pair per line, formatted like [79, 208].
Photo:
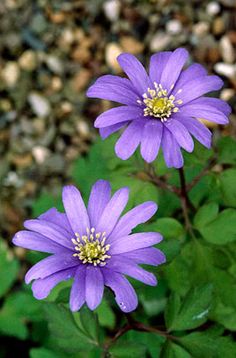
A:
[197, 285]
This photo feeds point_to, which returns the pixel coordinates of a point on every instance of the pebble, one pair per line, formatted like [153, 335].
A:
[201, 28]
[54, 64]
[213, 8]
[40, 154]
[28, 60]
[40, 105]
[230, 3]
[174, 27]
[112, 9]
[81, 79]
[10, 73]
[225, 69]
[226, 49]
[218, 26]
[83, 129]
[160, 42]
[113, 50]
[131, 45]
[227, 93]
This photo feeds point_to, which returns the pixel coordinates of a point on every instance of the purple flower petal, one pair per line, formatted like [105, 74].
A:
[151, 140]
[197, 129]
[206, 112]
[75, 209]
[51, 231]
[148, 256]
[191, 73]
[138, 215]
[173, 68]
[113, 211]
[77, 293]
[114, 88]
[158, 62]
[181, 134]
[198, 87]
[117, 115]
[120, 264]
[133, 242]
[33, 241]
[99, 198]
[171, 150]
[125, 147]
[125, 295]
[42, 287]
[107, 131]
[51, 265]
[215, 103]
[60, 219]
[94, 287]
[135, 71]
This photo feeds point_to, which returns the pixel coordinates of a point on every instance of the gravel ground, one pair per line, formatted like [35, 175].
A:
[52, 50]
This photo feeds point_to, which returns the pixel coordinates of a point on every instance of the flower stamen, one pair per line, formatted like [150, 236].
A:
[158, 104]
[91, 248]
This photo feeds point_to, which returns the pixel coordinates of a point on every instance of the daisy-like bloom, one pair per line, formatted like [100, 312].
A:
[93, 245]
[159, 109]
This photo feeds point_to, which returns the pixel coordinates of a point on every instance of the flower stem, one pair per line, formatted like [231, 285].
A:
[185, 202]
[132, 324]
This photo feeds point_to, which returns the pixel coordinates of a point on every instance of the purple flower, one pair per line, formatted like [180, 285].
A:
[159, 109]
[94, 246]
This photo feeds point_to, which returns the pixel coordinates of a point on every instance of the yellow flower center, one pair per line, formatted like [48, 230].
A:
[158, 104]
[91, 248]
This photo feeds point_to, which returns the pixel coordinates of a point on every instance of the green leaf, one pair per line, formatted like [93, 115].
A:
[106, 316]
[227, 150]
[222, 229]
[42, 353]
[9, 268]
[205, 215]
[206, 344]
[128, 349]
[194, 309]
[172, 350]
[89, 323]
[17, 309]
[169, 228]
[228, 187]
[151, 341]
[45, 202]
[172, 309]
[65, 333]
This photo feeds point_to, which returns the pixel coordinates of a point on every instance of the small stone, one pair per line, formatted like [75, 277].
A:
[66, 107]
[225, 69]
[81, 55]
[28, 60]
[230, 3]
[40, 105]
[113, 50]
[56, 84]
[10, 73]
[83, 129]
[67, 36]
[227, 50]
[218, 26]
[22, 160]
[201, 28]
[174, 27]
[131, 45]
[213, 8]
[40, 154]
[81, 79]
[227, 93]
[54, 64]
[160, 42]
[112, 9]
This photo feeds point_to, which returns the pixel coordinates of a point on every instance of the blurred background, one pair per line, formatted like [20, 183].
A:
[50, 52]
